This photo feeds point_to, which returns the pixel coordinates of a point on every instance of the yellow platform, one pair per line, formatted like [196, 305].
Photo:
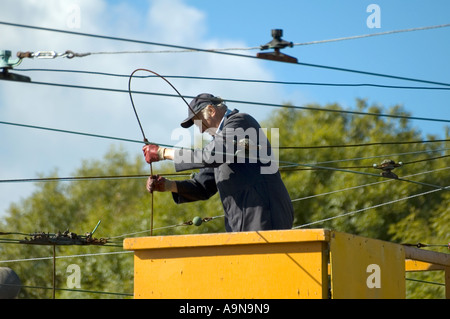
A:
[315, 263]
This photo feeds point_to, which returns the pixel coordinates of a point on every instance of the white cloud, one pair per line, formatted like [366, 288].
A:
[25, 152]
[174, 20]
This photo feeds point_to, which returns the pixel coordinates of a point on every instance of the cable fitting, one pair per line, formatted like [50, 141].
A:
[65, 238]
[197, 221]
[387, 166]
[277, 43]
[50, 54]
[6, 63]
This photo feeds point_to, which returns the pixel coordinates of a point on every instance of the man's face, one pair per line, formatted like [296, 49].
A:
[206, 124]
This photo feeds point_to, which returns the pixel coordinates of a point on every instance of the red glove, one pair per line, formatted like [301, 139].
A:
[153, 153]
[156, 183]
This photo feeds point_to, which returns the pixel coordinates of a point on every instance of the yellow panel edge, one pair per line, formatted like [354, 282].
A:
[238, 238]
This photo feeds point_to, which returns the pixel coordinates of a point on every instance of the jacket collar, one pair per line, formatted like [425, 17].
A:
[225, 116]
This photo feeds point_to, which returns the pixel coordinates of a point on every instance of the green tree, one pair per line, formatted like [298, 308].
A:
[326, 194]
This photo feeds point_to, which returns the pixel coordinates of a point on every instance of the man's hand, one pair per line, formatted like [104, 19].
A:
[157, 183]
[153, 153]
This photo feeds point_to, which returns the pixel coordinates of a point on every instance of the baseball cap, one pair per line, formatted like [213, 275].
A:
[197, 104]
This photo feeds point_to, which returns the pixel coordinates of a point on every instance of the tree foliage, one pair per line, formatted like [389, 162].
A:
[124, 206]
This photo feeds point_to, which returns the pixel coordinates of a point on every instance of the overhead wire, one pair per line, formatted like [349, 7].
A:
[360, 144]
[370, 73]
[67, 256]
[45, 128]
[342, 215]
[365, 185]
[260, 47]
[427, 282]
[368, 174]
[184, 224]
[182, 49]
[219, 216]
[440, 188]
[70, 132]
[146, 42]
[294, 200]
[87, 178]
[371, 166]
[372, 157]
[220, 52]
[174, 175]
[309, 166]
[286, 147]
[70, 289]
[239, 80]
[374, 34]
[371, 207]
[178, 93]
[398, 116]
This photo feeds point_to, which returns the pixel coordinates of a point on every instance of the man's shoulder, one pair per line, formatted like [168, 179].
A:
[237, 116]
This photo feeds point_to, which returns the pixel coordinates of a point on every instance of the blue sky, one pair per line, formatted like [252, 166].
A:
[204, 24]
[421, 54]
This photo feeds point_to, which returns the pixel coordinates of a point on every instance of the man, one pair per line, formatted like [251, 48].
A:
[236, 163]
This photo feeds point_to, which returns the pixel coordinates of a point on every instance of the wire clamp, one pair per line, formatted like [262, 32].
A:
[277, 44]
[7, 63]
[387, 166]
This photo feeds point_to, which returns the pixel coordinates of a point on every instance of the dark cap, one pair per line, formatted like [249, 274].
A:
[197, 104]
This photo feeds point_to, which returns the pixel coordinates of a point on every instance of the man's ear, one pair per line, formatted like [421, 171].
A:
[211, 110]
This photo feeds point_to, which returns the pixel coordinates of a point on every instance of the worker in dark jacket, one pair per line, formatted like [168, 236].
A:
[237, 163]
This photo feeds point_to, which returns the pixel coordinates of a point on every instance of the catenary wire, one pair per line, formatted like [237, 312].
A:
[371, 207]
[67, 256]
[426, 282]
[140, 176]
[185, 224]
[166, 145]
[365, 185]
[372, 157]
[174, 146]
[318, 167]
[368, 174]
[374, 34]
[288, 169]
[250, 48]
[245, 102]
[359, 144]
[86, 178]
[219, 216]
[221, 52]
[259, 47]
[294, 164]
[342, 215]
[240, 80]
[71, 290]
[346, 170]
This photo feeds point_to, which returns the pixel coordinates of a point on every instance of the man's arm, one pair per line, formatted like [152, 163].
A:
[201, 187]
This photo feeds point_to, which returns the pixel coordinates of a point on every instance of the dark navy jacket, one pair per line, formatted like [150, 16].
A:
[249, 184]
